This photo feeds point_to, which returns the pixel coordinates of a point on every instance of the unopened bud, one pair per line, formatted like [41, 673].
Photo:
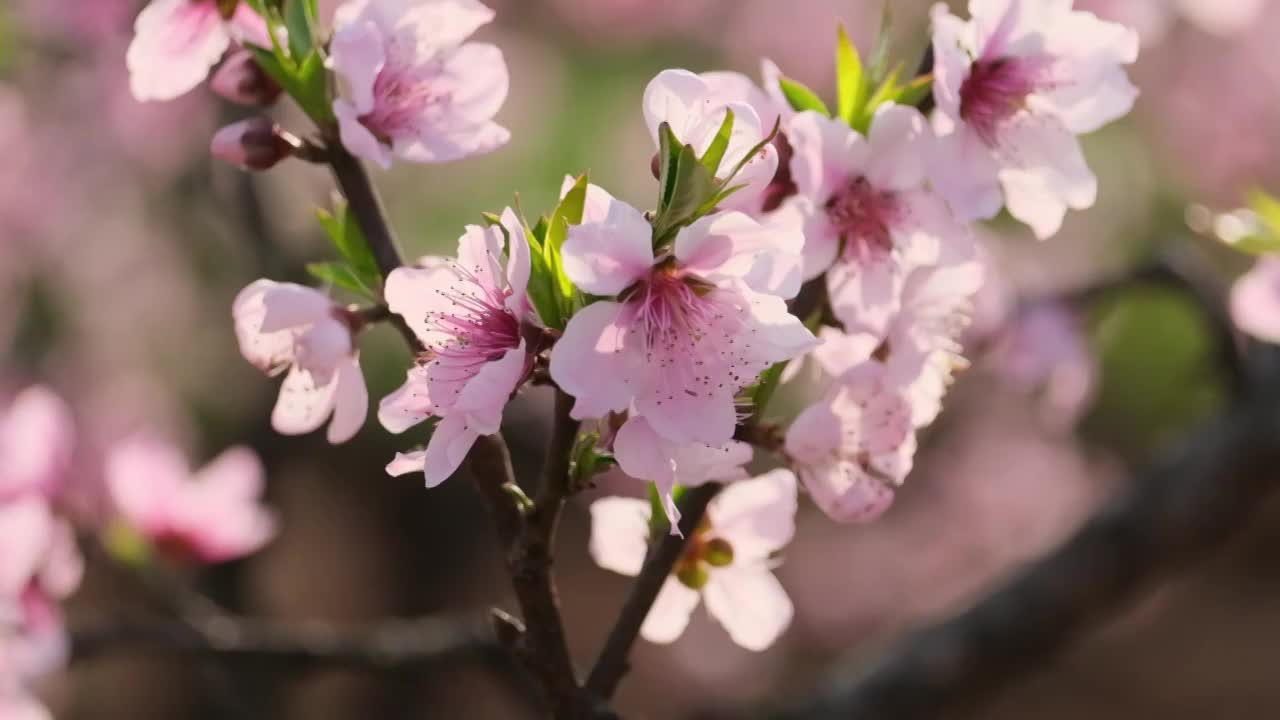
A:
[242, 81]
[718, 553]
[253, 144]
[693, 575]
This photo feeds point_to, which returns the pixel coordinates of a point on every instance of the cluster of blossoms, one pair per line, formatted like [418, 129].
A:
[210, 516]
[669, 328]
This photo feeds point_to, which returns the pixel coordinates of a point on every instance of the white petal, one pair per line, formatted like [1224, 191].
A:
[619, 534]
[757, 516]
[405, 463]
[670, 613]
[750, 603]
[303, 404]
[351, 402]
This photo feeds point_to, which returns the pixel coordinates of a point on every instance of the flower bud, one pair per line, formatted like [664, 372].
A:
[253, 144]
[242, 81]
[718, 553]
[693, 575]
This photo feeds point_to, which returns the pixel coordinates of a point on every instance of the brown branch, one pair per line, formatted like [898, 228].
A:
[1185, 504]
[386, 645]
[528, 537]
[612, 664]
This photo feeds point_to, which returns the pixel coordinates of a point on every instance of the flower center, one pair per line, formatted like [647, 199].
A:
[478, 324]
[703, 551]
[863, 218]
[406, 97]
[995, 91]
[692, 333]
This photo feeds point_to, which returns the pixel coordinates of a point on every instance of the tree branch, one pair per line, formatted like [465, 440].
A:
[1186, 503]
[612, 664]
[386, 645]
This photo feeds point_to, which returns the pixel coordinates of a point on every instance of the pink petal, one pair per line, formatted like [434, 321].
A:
[1255, 300]
[519, 262]
[750, 603]
[1044, 173]
[675, 97]
[900, 141]
[589, 363]
[143, 478]
[357, 56]
[449, 445]
[417, 294]
[265, 350]
[485, 395]
[405, 463]
[288, 306]
[826, 153]
[733, 245]
[643, 454]
[437, 23]
[350, 402]
[966, 174]
[670, 613]
[409, 405]
[36, 440]
[756, 516]
[63, 564]
[303, 405]
[607, 256]
[176, 43]
[619, 534]
[357, 138]
[26, 530]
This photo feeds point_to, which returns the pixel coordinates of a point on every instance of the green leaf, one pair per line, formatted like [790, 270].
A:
[306, 82]
[1267, 209]
[340, 274]
[715, 152]
[693, 185]
[568, 212]
[543, 289]
[886, 92]
[852, 83]
[299, 19]
[802, 98]
[763, 392]
[348, 239]
[914, 92]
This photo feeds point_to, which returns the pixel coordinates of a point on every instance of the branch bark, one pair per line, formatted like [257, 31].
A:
[1185, 504]
[612, 663]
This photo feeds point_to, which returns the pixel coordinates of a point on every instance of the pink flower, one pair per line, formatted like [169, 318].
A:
[1015, 86]
[177, 42]
[855, 446]
[39, 552]
[683, 331]
[413, 88]
[645, 455]
[1153, 18]
[1255, 300]
[867, 213]
[467, 313]
[36, 439]
[1042, 350]
[282, 326]
[695, 106]
[727, 561]
[919, 343]
[212, 515]
[33, 643]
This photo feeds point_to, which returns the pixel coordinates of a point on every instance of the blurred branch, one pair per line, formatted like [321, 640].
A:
[612, 664]
[1184, 505]
[386, 645]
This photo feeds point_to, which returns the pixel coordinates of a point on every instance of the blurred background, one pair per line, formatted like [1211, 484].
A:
[122, 245]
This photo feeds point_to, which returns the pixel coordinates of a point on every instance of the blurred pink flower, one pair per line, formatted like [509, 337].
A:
[39, 550]
[852, 448]
[1255, 300]
[695, 107]
[866, 209]
[33, 643]
[1153, 18]
[727, 562]
[282, 326]
[212, 515]
[467, 313]
[630, 21]
[36, 440]
[413, 88]
[1015, 85]
[177, 42]
[1044, 351]
[645, 455]
[686, 331]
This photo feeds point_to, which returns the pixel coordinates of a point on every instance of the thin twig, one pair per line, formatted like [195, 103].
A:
[1185, 504]
[612, 664]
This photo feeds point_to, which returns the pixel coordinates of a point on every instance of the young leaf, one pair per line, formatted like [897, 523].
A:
[341, 275]
[887, 92]
[568, 212]
[914, 92]
[693, 186]
[348, 239]
[852, 83]
[669, 158]
[715, 152]
[299, 19]
[801, 98]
